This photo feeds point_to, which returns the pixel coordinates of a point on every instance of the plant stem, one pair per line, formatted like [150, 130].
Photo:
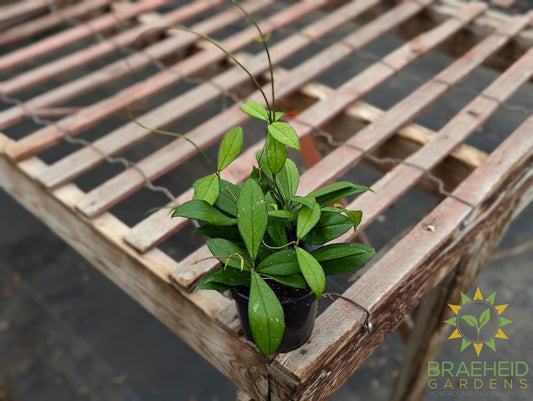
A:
[230, 55]
[272, 110]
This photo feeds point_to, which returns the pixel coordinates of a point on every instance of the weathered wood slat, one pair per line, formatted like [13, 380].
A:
[404, 176]
[95, 52]
[463, 159]
[72, 35]
[395, 284]
[373, 135]
[97, 112]
[128, 65]
[128, 135]
[12, 13]
[23, 31]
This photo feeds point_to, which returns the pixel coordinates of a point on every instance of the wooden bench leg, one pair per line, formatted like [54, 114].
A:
[243, 396]
[429, 332]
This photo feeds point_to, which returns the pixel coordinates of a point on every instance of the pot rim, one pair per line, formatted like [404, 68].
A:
[247, 297]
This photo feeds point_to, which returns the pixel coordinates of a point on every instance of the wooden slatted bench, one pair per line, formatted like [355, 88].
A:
[60, 134]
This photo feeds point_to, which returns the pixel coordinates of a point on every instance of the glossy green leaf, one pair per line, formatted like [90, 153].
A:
[211, 285]
[312, 271]
[227, 253]
[285, 134]
[354, 215]
[227, 197]
[307, 219]
[212, 231]
[330, 226]
[308, 201]
[341, 258]
[230, 147]
[283, 214]
[276, 153]
[262, 161]
[281, 263]
[296, 280]
[278, 115]
[201, 210]
[207, 188]
[330, 193]
[266, 317]
[276, 231]
[288, 179]
[228, 277]
[255, 110]
[252, 216]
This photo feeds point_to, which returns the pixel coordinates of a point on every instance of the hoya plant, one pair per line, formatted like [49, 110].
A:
[264, 235]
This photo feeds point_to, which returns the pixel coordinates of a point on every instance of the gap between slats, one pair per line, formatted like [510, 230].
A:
[90, 116]
[93, 53]
[120, 68]
[72, 35]
[130, 134]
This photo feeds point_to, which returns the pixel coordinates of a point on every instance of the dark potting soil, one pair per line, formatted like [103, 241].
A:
[283, 292]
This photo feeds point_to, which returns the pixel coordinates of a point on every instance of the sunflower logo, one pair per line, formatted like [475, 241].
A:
[478, 321]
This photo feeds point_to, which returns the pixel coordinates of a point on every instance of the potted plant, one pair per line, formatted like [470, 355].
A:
[272, 244]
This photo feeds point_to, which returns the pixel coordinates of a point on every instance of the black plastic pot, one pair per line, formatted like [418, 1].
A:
[300, 315]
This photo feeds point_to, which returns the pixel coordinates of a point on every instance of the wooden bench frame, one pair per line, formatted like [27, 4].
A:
[441, 254]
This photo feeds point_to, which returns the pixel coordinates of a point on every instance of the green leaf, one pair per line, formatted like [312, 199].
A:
[341, 258]
[207, 188]
[276, 231]
[278, 115]
[230, 147]
[276, 154]
[211, 285]
[255, 110]
[265, 314]
[201, 210]
[312, 271]
[228, 277]
[281, 263]
[287, 179]
[296, 280]
[223, 249]
[307, 219]
[285, 134]
[262, 161]
[227, 198]
[354, 215]
[330, 226]
[471, 320]
[484, 318]
[308, 201]
[252, 216]
[282, 214]
[212, 231]
[330, 193]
